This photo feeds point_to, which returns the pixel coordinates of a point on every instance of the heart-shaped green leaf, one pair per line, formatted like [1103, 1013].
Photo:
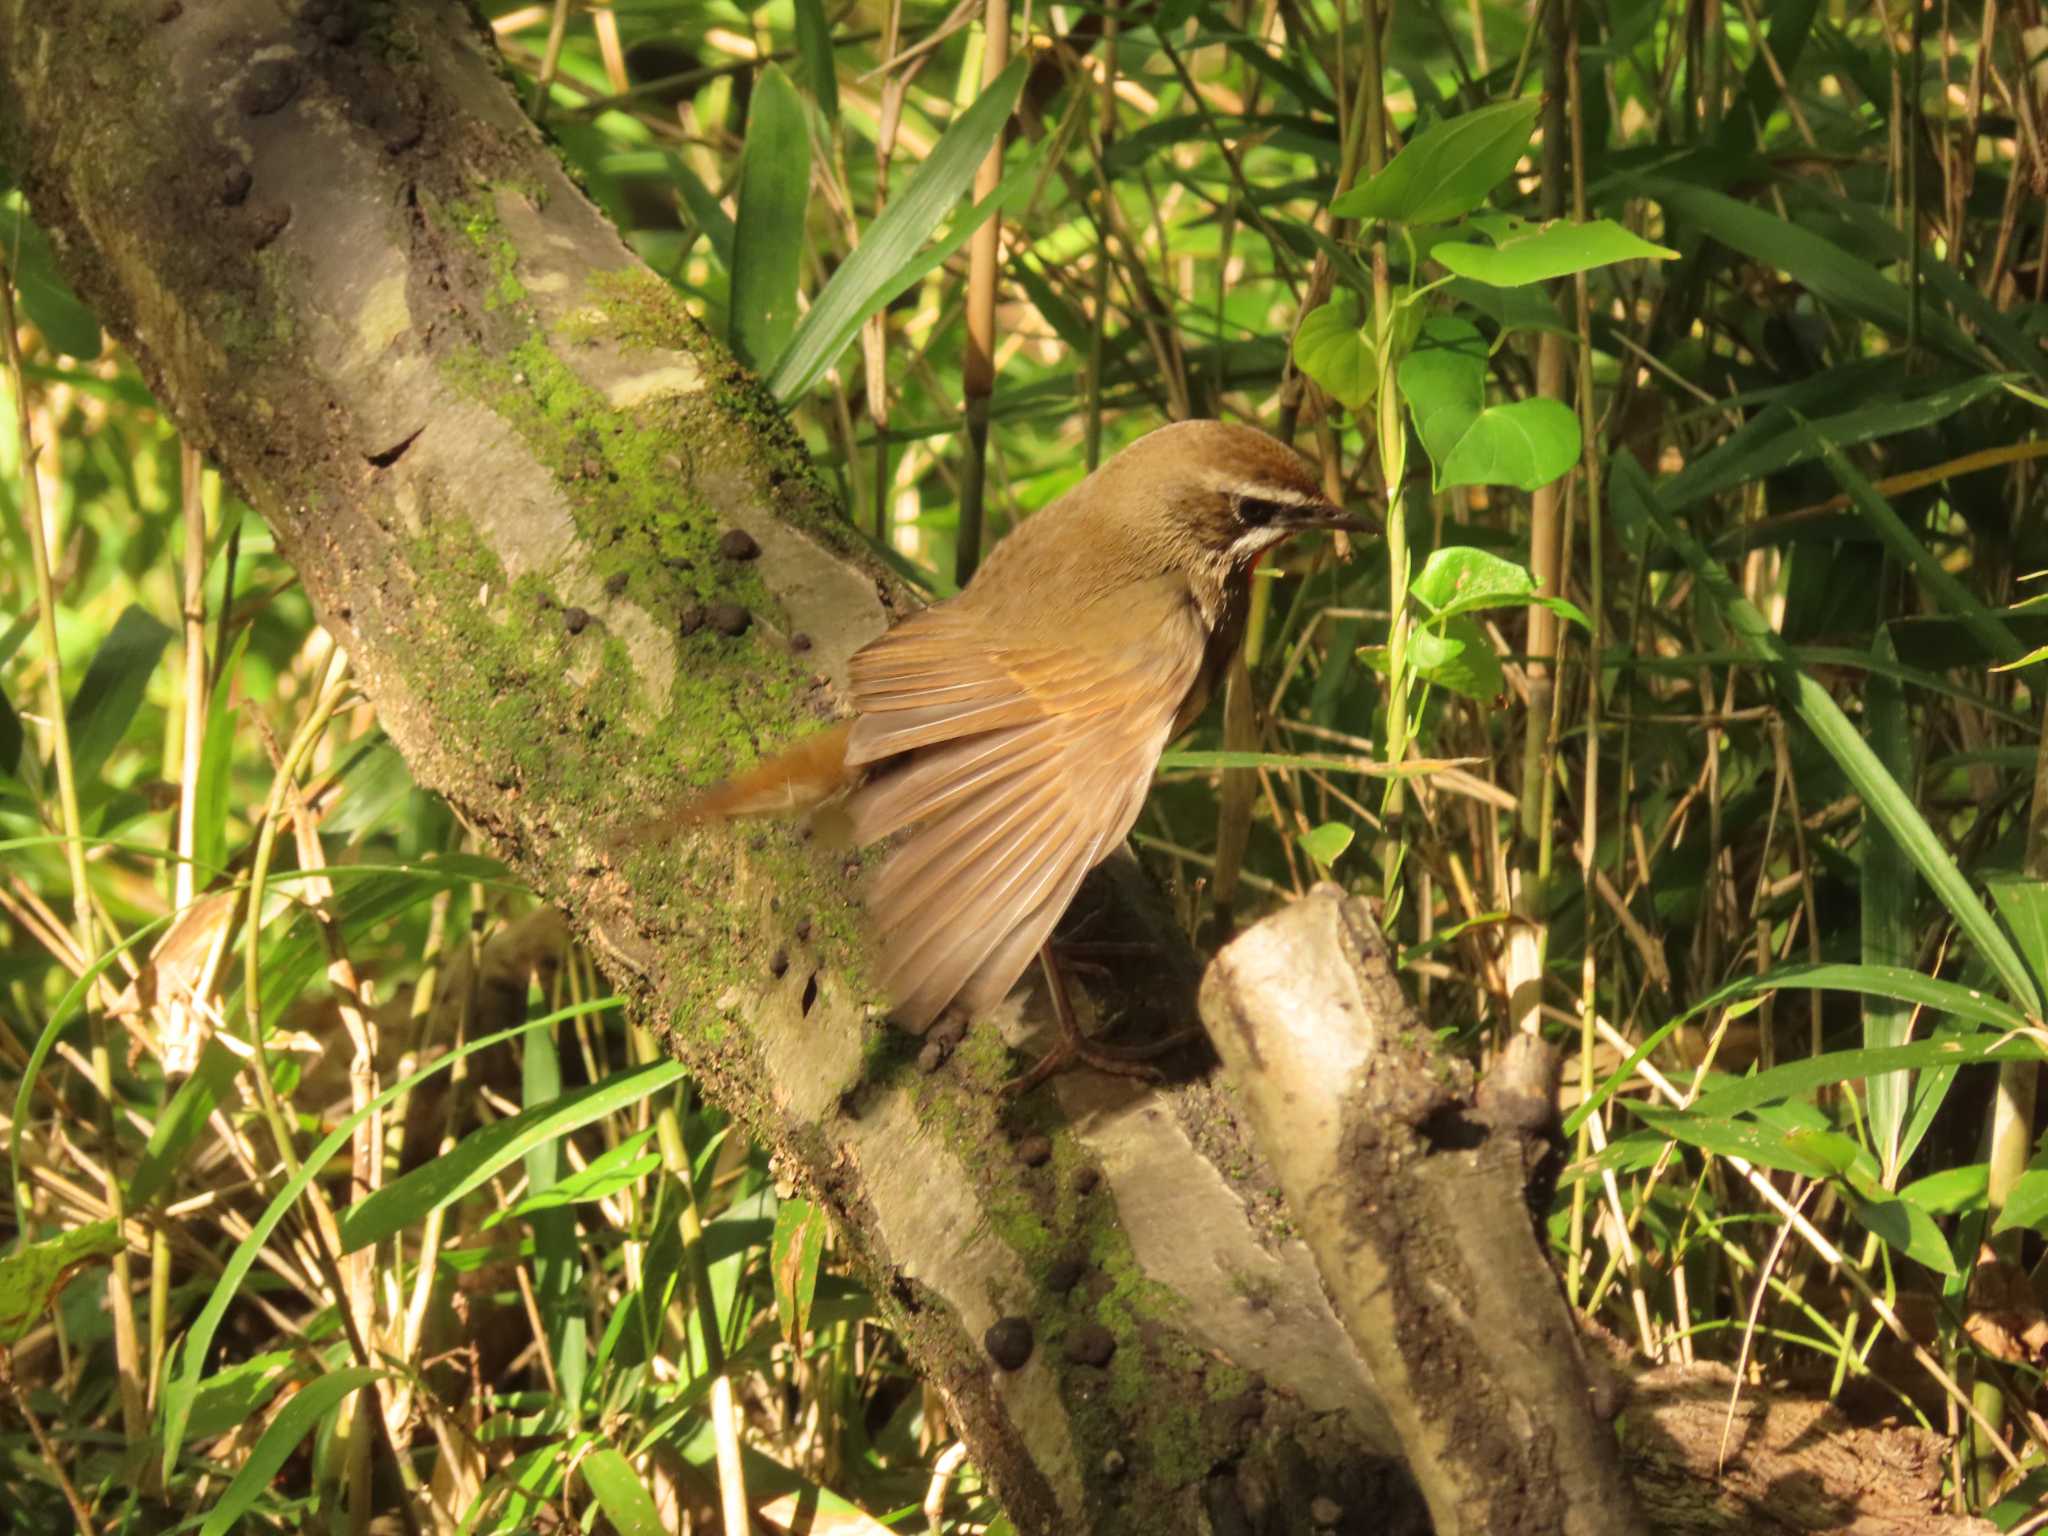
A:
[1460, 579]
[1448, 168]
[1333, 348]
[1554, 250]
[1326, 843]
[1457, 655]
[1526, 444]
[1444, 382]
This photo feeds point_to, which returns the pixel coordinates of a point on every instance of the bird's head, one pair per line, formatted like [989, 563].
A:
[1215, 496]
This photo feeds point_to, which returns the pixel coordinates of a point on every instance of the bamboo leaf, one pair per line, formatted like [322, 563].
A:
[1447, 169]
[768, 235]
[881, 266]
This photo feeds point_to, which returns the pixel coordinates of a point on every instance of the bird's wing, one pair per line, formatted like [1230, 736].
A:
[1019, 768]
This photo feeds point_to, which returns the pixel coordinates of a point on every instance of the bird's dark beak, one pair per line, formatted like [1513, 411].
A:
[1329, 515]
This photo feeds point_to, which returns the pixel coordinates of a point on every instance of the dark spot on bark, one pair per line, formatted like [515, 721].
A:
[267, 87]
[1449, 1129]
[803, 930]
[1008, 1343]
[384, 458]
[1091, 1344]
[234, 187]
[810, 997]
[267, 223]
[693, 619]
[615, 583]
[575, 620]
[778, 964]
[799, 641]
[1065, 1274]
[730, 619]
[1085, 1180]
[738, 544]
[1034, 1151]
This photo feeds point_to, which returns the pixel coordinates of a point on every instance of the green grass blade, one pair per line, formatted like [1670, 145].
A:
[768, 236]
[1888, 892]
[557, 1260]
[1950, 593]
[1839, 737]
[482, 1153]
[620, 1494]
[181, 1386]
[875, 271]
[111, 691]
[308, 1406]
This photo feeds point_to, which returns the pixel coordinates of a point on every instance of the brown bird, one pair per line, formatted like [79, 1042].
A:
[1014, 729]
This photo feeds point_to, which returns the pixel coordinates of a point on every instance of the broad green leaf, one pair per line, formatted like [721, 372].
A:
[1553, 250]
[1326, 843]
[1757, 1144]
[1908, 1229]
[46, 299]
[1334, 346]
[1461, 579]
[1951, 1191]
[1456, 654]
[619, 1492]
[1448, 168]
[2026, 1203]
[1526, 444]
[32, 1275]
[112, 689]
[1817, 708]
[1443, 381]
[884, 264]
[768, 235]
[308, 1406]
[605, 1175]
[2023, 902]
[794, 1254]
[236, 1393]
[482, 1153]
[814, 46]
[1801, 1079]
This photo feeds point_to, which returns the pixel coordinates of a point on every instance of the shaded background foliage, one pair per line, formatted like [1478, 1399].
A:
[1766, 798]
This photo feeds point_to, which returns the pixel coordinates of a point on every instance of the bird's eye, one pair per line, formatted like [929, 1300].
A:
[1258, 511]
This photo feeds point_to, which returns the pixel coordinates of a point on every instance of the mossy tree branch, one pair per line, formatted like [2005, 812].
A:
[501, 456]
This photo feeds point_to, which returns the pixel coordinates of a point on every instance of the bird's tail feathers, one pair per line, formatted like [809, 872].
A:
[789, 784]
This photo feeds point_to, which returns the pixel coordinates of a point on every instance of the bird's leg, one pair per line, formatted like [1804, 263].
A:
[1073, 1047]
